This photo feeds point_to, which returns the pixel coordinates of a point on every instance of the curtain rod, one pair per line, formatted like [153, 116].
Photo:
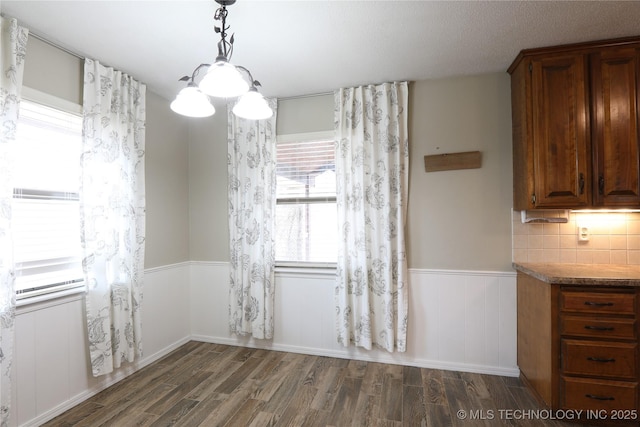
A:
[286, 98]
[46, 40]
[83, 57]
[57, 46]
[67, 51]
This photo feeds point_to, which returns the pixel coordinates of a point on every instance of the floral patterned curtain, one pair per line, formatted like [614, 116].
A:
[252, 197]
[13, 50]
[112, 200]
[372, 170]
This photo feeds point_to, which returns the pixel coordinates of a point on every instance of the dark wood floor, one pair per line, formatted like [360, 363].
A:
[203, 384]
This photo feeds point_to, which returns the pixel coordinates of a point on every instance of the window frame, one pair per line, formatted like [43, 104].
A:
[48, 100]
[293, 266]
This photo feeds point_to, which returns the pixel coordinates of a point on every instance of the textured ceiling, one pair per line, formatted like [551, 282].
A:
[304, 47]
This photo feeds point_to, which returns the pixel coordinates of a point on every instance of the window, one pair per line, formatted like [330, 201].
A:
[46, 217]
[306, 222]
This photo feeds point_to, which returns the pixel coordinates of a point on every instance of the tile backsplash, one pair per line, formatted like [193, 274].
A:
[613, 238]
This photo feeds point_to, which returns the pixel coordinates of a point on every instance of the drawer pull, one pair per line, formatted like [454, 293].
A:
[598, 304]
[599, 328]
[601, 360]
[593, 396]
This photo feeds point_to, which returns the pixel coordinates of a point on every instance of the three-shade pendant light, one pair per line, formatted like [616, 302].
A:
[222, 80]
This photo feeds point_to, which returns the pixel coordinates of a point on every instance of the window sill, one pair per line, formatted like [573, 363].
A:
[54, 298]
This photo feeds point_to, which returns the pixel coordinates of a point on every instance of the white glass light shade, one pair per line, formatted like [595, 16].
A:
[223, 80]
[192, 102]
[252, 106]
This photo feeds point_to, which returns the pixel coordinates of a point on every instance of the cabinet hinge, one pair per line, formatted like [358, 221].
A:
[530, 66]
[533, 198]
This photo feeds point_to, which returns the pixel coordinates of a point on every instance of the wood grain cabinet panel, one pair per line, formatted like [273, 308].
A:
[599, 359]
[560, 140]
[578, 344]
[598, 348]
[576, 142]
[598, 302]
[590, 394]
[598, 327]
[616, 154]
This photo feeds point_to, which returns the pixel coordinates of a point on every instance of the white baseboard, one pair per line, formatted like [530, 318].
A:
[463, 321]
[122, 373]
[363, 355]
[459, 320]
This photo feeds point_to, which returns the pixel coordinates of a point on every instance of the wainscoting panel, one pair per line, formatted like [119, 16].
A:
[209, 296]
[459, 320]
[47, 364]
[166, 305]
[51, 361]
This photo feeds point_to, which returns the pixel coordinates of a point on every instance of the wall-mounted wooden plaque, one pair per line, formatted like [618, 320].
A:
[452, 161]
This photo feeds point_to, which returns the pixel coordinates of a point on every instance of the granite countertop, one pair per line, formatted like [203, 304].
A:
[583, 274]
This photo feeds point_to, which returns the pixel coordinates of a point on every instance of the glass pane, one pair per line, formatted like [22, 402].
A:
[48, 149]
[45, 229]
[46, 242]
[306, 232]
[46, 216]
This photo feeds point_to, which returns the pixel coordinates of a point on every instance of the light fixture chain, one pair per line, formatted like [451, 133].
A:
[225, 48]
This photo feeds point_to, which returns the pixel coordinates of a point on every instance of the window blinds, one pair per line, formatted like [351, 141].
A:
[306, 170]
[45, 217]
[306, 223]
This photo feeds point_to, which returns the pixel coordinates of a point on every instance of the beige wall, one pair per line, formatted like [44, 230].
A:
[457, 219]
[57, 73]
[209, 233]
[461, 219]
[52, 71]
[305, 114]
[167, 184]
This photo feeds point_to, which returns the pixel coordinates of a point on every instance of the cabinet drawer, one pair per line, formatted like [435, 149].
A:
[581, 393]
[596, 302]
[606, 359]
[598, 327]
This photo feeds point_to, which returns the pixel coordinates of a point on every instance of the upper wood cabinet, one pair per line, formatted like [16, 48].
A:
[575, 126]
[616, 155]
[559, 131]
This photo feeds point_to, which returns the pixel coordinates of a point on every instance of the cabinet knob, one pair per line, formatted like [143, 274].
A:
[598, 304]
[593, 396]
[599, 328]
[601, 359]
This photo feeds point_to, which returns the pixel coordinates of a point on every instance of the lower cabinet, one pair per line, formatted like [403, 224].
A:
[578, 346]
[597, 395]
[599, 359]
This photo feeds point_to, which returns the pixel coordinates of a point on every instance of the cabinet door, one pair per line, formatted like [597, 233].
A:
[615, 127]
[560, 132]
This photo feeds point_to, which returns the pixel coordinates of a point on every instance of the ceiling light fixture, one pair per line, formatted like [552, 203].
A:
[223, 80]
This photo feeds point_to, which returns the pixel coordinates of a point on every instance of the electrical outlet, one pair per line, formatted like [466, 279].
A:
[583, 234]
